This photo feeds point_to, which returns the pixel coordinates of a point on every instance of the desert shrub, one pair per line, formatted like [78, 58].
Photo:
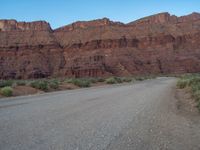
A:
[195, 87]
[182, 83]
[192, 81]
[21, 82]
[100, 80]
[92, 80]
[4, 83]
[114, 80]
[118, 79]
[80, 82]
[111, 80]
[139, 78]
[7, 91]
[198, 106]
[54, 84]
[196, 95]
[40, 84]
[127, 79]
[71, 80]
[146, 77]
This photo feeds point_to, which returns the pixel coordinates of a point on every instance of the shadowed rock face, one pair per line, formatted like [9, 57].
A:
[156, 44]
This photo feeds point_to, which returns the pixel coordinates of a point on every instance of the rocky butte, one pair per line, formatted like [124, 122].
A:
[158, 44]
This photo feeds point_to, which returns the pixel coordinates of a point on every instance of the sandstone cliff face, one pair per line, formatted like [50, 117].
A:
[13, 25]
[89, 24]
[156, 44]
[28, 50]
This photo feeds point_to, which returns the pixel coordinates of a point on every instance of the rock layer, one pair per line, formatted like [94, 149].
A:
[152, 45]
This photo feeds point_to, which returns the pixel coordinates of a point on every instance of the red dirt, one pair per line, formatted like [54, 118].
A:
[67, 86]
[25, 90]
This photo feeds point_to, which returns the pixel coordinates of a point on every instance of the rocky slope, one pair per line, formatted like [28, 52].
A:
[152, 45]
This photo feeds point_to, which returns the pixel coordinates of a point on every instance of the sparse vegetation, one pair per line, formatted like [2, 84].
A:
[20, 82]
[142, 78]
[7, 91]
[115, 80]
[119, 79]
[5, 83]
[100, 80]
[80, 82]
[127, 79]
[191, 81]
[111, 80]
[139, 78]
[92, 80]
[40, 84]
[182, 83]
[53, 84]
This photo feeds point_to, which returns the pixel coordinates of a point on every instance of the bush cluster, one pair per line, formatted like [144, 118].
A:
[193, 82]
[7, 91]
[4, 83]
[49, 84]
[21, 82]
[40, 84]
[115, 80]
[80, 82]
[53, 84]
[111, 80]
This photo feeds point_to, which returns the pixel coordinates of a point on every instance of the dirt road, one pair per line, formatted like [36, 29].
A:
[139, 116]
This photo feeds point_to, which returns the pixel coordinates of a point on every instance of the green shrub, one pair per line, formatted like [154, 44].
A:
[198, 106]
[21, 82]
[111, 80]
[192, 81]
[7, 91]
[40, 84]
[146, 77]
[195, 87]
[182, 83]
[54, 84]
[82, 82]
[71, 80]
[139, 78]
[196, 95]
[100, 80]
[118, 79]
[4, 83]
[93, 80]
[126, 79]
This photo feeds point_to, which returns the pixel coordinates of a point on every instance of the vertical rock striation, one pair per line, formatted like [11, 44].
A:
[161, 43]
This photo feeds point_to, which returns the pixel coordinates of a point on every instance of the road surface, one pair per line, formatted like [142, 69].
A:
[139, 116]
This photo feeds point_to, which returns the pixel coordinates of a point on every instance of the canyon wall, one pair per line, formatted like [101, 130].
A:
[158, 44]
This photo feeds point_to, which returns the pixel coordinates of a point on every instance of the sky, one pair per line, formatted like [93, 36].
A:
[62, 12]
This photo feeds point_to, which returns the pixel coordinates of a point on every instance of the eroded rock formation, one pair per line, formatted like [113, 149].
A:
[152, 45]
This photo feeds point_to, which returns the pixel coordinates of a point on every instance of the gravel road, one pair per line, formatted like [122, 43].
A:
[139, 116]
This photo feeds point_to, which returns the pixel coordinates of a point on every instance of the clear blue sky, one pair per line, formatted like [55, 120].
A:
[62, 12]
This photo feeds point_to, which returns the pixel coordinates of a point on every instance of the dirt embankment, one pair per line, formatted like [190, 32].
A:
[185, 104]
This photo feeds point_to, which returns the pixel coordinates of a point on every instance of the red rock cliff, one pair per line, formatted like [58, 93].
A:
[161, 43]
